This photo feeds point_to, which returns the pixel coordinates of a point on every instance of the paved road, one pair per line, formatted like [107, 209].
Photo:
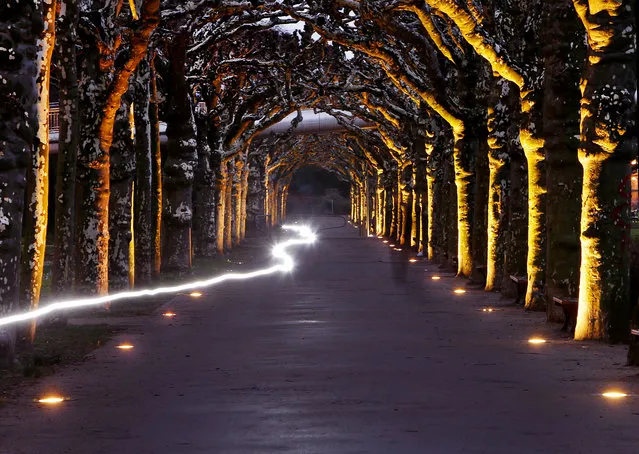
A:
[355, 352]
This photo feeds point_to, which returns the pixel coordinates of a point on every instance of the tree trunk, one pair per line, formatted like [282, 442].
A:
[228, 208]
[563, 54]
[499, 121]
[180, 165]
[120, 202]
[143, 197]
[237, 201]
[606, 147]
[37, 195]
[480, 210]
[20, 25]
[68, 143]
[244, 207]
[221, 183]
[204, 191]
[156, 174]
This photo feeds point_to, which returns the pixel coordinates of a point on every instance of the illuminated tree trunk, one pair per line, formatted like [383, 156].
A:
[37, 195]
[221, 183]
[143, 194]
[451, 210]
[388, 205]
[204, 229]
[394, 200]
[246, 172]
[480, 210]
[563, 53]
[499, 121]
[20, 23]
[68, 143]
[179, 168]
[156, 174]
[228, 208]
[516, 236]
[418, 234]
[433, 189]
[237, 201]
[405, 203]
[120, 202]
[102, 85]
[379, 216]
[608, 113]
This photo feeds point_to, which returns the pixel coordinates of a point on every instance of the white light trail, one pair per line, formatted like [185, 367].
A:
[279, 252]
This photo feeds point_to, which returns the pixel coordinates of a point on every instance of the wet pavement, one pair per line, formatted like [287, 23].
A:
[356, 351]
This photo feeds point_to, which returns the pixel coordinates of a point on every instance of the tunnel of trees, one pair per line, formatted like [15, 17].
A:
[498, 134]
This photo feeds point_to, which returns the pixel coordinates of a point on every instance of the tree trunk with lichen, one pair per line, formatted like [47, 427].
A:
[563, 53]
[143, 196]
[607, 145]
[228, 207]
[20, 24]
[37, 195]
[502, 97]
[179, 168]
[156, 174]
[68, 143]
[122, 171]
[204, 191]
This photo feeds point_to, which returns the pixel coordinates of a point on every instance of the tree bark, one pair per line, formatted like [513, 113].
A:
[607, 144]
[122, 171]
[221, 183]
[228, 208]
[204, 192]
[37, 195]
[237, 201]
[20, 25]
[68, 144]
[180, 165]
[156, 174]
[143, 197]
[563, 53]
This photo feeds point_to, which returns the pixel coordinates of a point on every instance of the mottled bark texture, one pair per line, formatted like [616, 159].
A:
[156, 173]
[563, 54]
[68, 143]
[204, 190]
[37, 195]
[221, 183]
[122, 171]
[228, 207]
[143, 194]
[20, 25]
[499, 110]
[180, 164]
[237, 200]
[607, 144]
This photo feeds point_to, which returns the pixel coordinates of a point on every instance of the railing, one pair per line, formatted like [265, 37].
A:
[54, 117]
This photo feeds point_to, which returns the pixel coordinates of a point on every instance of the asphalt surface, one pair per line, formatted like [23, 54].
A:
[357, 351]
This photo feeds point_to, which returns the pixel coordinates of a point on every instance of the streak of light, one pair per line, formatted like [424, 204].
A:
[169, 314]
[412, 260]
[459, 291]
[124, 346]
[614, 395]
[435, 278]
[285, 265]
[51, 400]
[196, 294]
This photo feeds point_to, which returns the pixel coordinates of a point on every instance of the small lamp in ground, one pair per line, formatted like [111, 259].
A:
[487, 309]
[412, 260]
[51, 400]
[195, 294]
[459, 291]
[435, 278]
[124, 347]
[615, 395]
[536, 340]
[169, 314]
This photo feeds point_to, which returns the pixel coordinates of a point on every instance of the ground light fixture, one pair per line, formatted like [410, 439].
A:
[435, 278]
[385, 241]
[124, 346]
[398, 249]
[195, 294]
[614, 395]
[487, 309]
[536, 340]
[51, 400]
[391, 245]
[459, 291]
[169, 314]
[412, 260]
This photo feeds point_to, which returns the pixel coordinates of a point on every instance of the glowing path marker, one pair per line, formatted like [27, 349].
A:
[279, 252]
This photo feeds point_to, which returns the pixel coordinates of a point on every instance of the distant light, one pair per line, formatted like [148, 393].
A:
[169, 314]
[380, 237]
[633, 162]
[536, 340]
[614, 395]
[391, 245]
[459, 291]
[124, 346]
[51, 400]
[435, 278]
[487, 309]
[385, 241]
[412, 260]
[397, 249]
[195, 294]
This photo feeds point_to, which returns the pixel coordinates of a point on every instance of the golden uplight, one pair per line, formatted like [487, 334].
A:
[459, 291]
[397, 249]
[412, 260]
[391, 245]
[435, 278]
[633, 162]
[487, 309]
[536, 340]
[195, 294]
[124, 346]
[614, 395]
[51, 400]
[385, 241]
[169, 314]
